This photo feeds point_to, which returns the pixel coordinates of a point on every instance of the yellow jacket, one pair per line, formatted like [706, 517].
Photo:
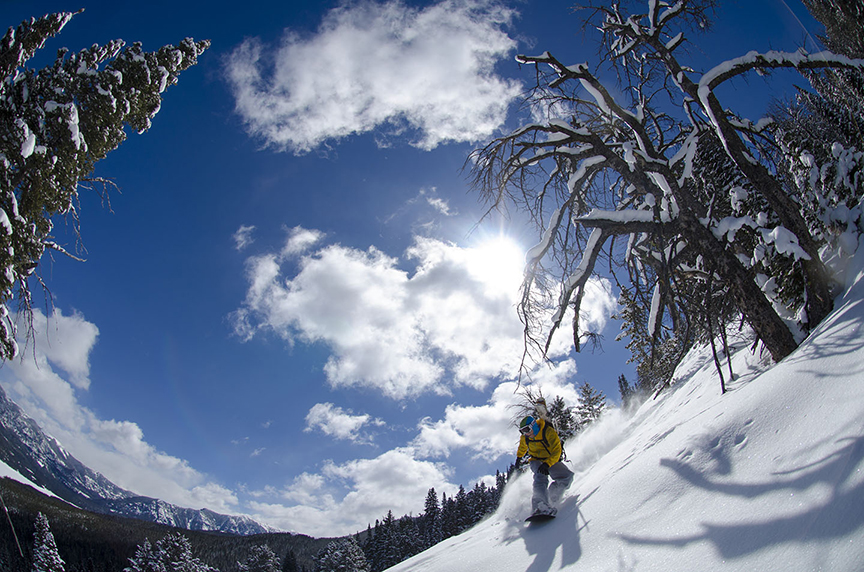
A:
[545, 446]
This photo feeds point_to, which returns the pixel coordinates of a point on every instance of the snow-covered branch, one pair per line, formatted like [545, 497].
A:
[754, 60]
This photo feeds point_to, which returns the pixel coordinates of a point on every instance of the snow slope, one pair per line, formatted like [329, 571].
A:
[767, 477]
[9, 472]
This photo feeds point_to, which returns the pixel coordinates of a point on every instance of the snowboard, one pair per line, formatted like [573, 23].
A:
[540, 517]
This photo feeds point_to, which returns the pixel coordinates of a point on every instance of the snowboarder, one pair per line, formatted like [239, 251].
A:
[540, 442]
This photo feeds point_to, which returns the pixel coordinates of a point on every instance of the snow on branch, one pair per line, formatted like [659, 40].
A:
[533, 256]
[583, 172]
[619, 222]
[575, 282]
[773, 59]
[799, 60]
[785, 242]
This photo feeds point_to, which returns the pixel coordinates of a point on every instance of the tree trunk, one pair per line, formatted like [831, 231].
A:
[817, 281]
[757, 310]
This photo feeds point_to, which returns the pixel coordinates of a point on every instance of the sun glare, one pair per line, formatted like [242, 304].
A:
[499, 262]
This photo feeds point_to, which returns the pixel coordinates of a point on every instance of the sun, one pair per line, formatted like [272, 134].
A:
[499, 262]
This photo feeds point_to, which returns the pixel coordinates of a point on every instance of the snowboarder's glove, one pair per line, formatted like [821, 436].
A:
[518, 462]
[543, 469]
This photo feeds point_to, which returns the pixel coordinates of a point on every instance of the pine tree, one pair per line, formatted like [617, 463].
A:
[463, 515]
[449, 516]
[146, 559]
[626, 391]
[173, 553]
[372, 547]
[57, 123]
[46, 558]
[432, 519]
[289, 562]
[342, 555]
[261, 559]
[592, 403]
[821, 134]
[563, 419]
[407, 538]
[500, 483]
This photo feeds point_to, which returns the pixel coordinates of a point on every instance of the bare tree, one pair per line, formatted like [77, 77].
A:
[682, 204]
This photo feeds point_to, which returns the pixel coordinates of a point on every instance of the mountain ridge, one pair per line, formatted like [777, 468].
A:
[37, 456]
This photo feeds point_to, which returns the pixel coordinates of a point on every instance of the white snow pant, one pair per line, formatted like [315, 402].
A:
[544, 493]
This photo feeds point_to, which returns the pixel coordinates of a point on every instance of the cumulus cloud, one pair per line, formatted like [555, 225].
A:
[44, 385]
[449, 320]
[487, 431]
[337, 422]
[342, 498]
[447, 323]
[320, 505]
[379, 64]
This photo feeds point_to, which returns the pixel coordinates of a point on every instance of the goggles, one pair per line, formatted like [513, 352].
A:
[527, 429]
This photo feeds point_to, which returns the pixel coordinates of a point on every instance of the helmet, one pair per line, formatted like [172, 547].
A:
[528, 426]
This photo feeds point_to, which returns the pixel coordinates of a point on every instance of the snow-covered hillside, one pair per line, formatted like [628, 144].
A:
[7, 471]
[767, 477]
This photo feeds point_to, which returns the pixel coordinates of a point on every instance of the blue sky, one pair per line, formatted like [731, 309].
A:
[289, 310]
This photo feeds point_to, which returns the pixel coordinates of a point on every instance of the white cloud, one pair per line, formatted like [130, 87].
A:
[117, 449]
[243, 237]
[300, 240]
[337, 422]
[215, 497]
[445, 325]
[449, 322]
[488, 430]
[440, 205]
[379, 64]
[65, 342]
[598, 304]
[320, 505]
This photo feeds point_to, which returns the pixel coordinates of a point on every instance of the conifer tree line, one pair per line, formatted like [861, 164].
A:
[393, 540]
[172, 553]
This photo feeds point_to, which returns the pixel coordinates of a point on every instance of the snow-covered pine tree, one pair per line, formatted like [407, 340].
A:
[58, 122]
[463, 510]
[500, 484]
[821, 134]
[146, 559]
[562, 418]
[261, 558]
[432, 519]
[625, 390]
[592, 403]
[173, 553]
[46, 558]
[409, 539]
[449, 516]
[373, 547]
[342, 555]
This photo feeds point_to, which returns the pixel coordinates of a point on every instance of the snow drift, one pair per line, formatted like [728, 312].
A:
[766, 477]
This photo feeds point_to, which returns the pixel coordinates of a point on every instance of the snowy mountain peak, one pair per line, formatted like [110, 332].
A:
[39, 458]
